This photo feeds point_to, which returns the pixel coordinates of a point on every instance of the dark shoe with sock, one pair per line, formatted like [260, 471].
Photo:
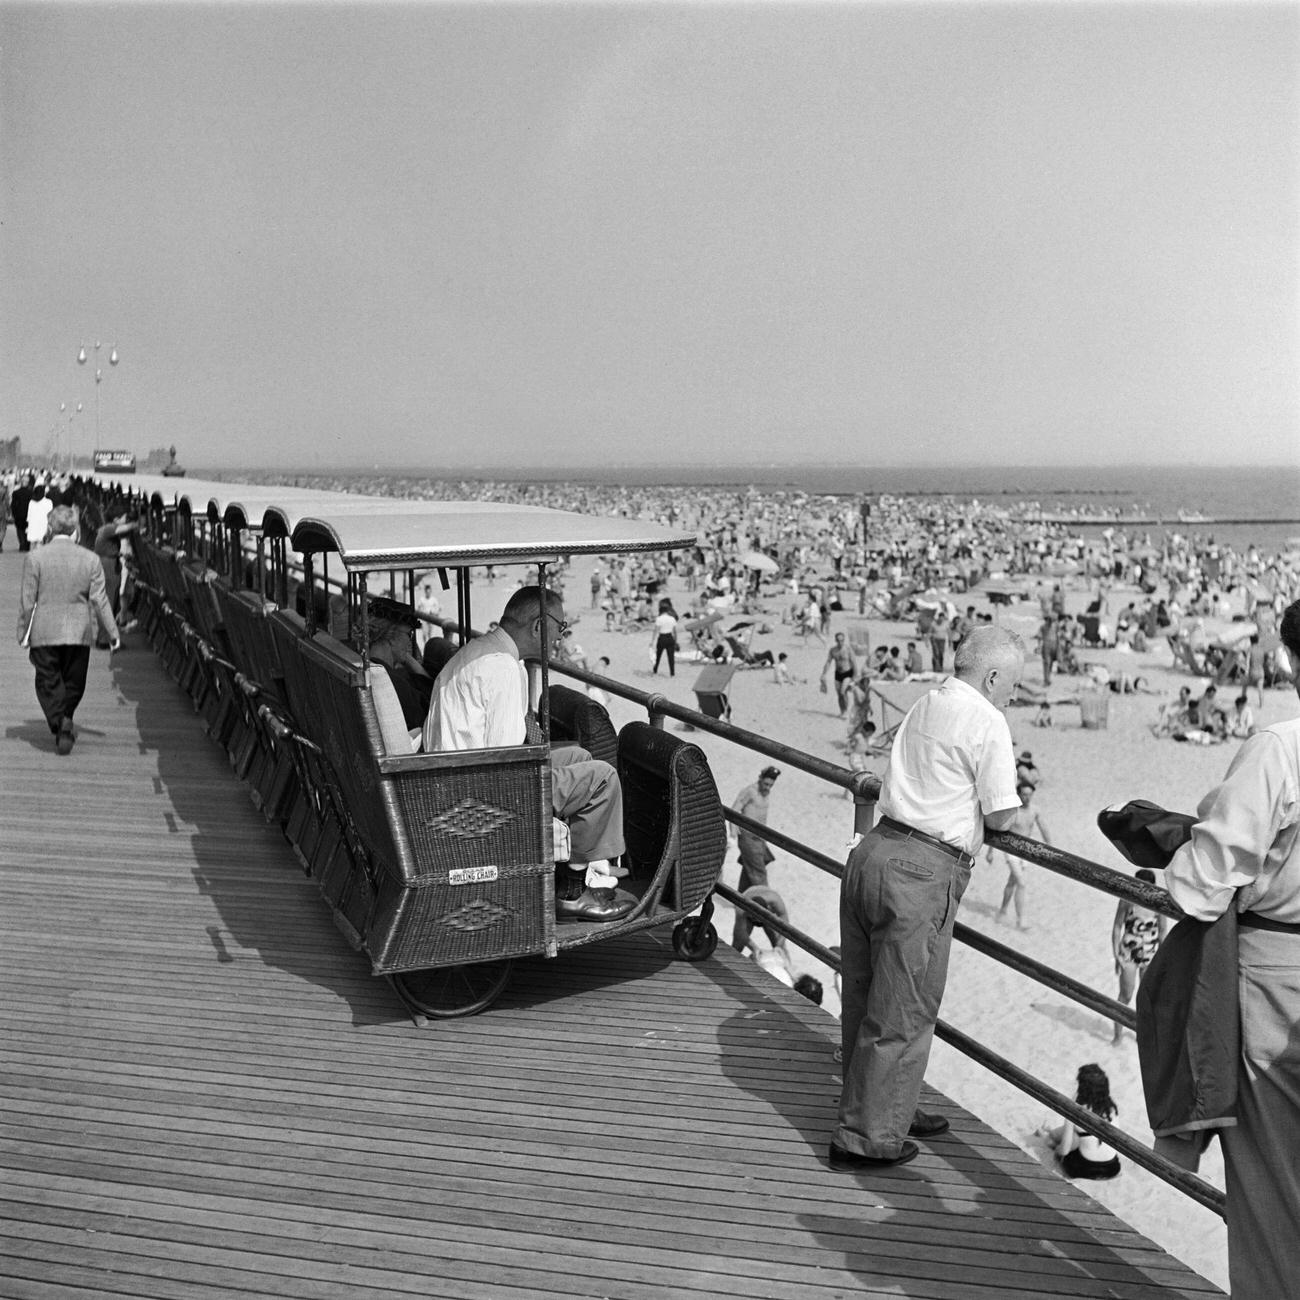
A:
[595, 905]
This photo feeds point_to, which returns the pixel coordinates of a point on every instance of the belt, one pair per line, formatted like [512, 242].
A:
[911, 833]
[1253, 921]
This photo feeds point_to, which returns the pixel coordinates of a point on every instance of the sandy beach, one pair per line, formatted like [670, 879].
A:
[1069, 925]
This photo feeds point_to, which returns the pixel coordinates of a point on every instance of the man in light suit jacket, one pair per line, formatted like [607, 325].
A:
[63, 592]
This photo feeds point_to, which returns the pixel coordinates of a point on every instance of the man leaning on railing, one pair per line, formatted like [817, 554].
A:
[952, 771]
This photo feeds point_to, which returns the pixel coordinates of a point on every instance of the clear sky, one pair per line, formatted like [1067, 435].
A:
[500, 234]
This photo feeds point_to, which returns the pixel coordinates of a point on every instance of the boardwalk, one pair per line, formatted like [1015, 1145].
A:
[203, 1092]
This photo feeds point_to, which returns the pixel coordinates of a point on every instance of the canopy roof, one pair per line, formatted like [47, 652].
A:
[375, 532]
[455, 533]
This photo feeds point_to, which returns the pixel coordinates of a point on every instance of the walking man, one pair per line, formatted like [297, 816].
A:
[840, 659]
[755, 855]
[952, 771]
[62, 584]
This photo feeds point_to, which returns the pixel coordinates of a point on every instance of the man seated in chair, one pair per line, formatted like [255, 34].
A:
[480, 701]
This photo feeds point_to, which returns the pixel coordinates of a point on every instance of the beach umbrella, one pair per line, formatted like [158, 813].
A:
[758, 561]
[1234, 636]
[698, 624]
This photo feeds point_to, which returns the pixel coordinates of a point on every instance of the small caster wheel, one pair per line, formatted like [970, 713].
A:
[694, 939]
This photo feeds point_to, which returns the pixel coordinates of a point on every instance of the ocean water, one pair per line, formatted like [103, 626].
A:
[1257, 505]
[1258, 492]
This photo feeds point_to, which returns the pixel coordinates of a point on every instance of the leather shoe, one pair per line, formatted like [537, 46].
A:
[595, 905]
[926, 1125]
[64, 741]
[842, 1158]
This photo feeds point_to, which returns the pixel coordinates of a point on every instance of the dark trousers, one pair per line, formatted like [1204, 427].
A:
[898, 904]
[60, 680]
[666, 645]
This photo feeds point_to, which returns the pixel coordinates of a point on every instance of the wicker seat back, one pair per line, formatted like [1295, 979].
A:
[672, 815]
[339, 716]
[173, 582]
[233, 626]
[287, 629]
[581, 721]
[438, 650]
[245, 615]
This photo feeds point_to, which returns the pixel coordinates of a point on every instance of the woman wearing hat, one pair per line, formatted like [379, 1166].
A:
[392, 625]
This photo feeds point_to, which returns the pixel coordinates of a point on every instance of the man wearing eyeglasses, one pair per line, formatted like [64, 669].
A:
[480, 701]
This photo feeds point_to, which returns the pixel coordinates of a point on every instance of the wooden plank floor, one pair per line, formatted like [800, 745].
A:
[203, 1092]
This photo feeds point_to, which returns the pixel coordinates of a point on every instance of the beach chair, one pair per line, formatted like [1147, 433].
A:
[895, 699]
[1188, 658]
[711, 688]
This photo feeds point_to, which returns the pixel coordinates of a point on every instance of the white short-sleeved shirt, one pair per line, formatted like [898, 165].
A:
[1246, 843]
[951, 763]
[665, 625]
[480, 697]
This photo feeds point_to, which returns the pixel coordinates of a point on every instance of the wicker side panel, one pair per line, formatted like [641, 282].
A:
[441, 924]
[493, 813]
[647, 822]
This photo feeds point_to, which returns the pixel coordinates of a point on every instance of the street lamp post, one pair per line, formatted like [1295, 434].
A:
[71, 417]
[82, 358]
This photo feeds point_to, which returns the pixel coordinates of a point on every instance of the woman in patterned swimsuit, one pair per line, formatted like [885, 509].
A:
[1134, 938]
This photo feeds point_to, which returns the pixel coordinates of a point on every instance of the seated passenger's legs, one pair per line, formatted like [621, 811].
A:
[586, 793]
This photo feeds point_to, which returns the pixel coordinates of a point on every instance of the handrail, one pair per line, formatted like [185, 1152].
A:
[866, 788]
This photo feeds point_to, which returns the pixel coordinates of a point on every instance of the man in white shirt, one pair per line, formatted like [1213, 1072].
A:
[480, 701]
[952, 771]
[1244, 852]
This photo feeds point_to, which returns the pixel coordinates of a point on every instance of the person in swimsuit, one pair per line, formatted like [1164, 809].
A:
[1026, 821]
[840, 658]
[1134, 938]
[1081, 1154]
